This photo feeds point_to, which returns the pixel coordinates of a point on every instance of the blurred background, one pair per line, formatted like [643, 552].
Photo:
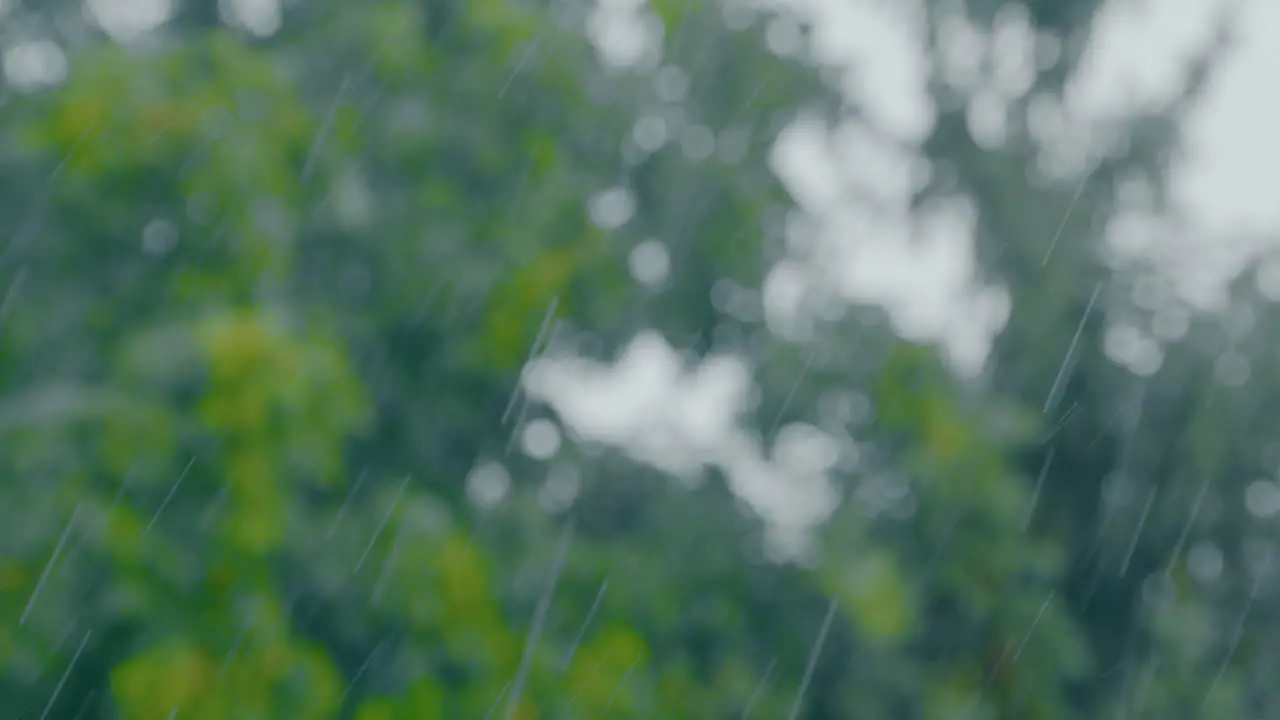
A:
[707, 359]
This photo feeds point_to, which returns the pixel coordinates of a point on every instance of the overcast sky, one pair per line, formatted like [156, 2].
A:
[1225, 183]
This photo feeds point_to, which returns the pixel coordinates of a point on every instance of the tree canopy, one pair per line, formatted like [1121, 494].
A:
[286, 316]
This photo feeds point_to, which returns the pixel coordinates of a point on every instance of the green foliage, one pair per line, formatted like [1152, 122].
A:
[280, 293]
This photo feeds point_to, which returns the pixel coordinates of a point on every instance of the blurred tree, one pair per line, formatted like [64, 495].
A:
[267, 304]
